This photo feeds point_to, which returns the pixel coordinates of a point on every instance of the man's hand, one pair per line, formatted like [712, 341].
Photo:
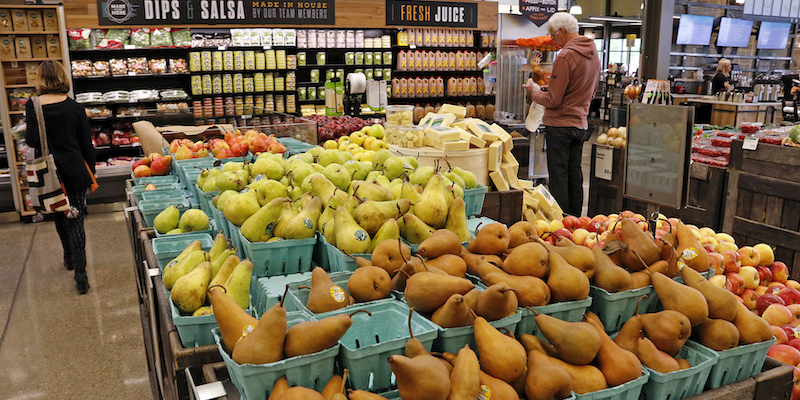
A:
[531, 86]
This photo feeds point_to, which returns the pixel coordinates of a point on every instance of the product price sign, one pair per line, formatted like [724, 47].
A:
[213, 12]
[538, 11]
[431, 13]
[603, 162]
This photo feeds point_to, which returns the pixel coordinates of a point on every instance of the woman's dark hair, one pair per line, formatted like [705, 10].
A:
[52, 78]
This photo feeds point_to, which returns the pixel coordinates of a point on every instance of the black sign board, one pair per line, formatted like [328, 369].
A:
[431, 13]
[215, 12]
[538, 11]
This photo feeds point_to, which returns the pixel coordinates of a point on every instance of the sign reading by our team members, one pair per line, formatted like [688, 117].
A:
[212, 12]
[538, 11]
[431, 13]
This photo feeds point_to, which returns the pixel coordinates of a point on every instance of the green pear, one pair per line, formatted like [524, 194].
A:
[455, 178]
[218, 261]
[193, 220]
[456, 191]
[287, 213]
[267, 167]
[315, 151]
[229, 180]
[318, 167]
[327, 213]
[389, 230]
[175, 231]
[379, 158]
[409, 191]
[260, 227]
[222, 198]
[412, 161]
[338, 175]
[232, 166]
[244, 175]
[304, 224]
[371, 191]
[209, 184]
[396, 167]
[285, 181]
[396, 188]
[470, 180]
[268, 190]
[350, 237]
[173, 272]
[328, 156]
[306, 184]
[372, 214]
[351, 204]
[299, 172]
[238, 208]
[189, 292]
[422, 175]
[306, 157]
[323, 188]
[205, 174]
[358, 169]
[457, 220]
[383, 181]
[238, 283]
[433, 203]
[329, 231]
[224, 270]
[295, 193]
[167, 220]
[344, 156]
[415, 230]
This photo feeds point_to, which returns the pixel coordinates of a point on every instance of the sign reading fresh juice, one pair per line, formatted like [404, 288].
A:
[431, 13]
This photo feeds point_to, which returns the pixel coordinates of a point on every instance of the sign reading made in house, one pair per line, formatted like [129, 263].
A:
[213, 12]
[431, 13]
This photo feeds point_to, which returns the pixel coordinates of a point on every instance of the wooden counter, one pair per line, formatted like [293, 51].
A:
[733, 114]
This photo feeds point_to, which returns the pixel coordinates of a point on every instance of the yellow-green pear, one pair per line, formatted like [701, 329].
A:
[260, 226]
[239, 207]
[219, 245]
[193, 220]
[408, 191]
[189, 292]
[416, 231]
[389, 230]
[433, 203]
[287, 213]
[372, 214]
[238, 283]
[304, 224]
[457, 220]
[351, 238]
[228, 264]
[194, 246]
[186, 264]
[220, 200]
[167, 220]
[219, 261]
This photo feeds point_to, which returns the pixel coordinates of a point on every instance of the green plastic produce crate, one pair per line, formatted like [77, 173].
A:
[222, 222]
[155, 180]
[212, 230]
[683, 383]
[171, 194]
[372, 339]
[297, 298]
[190, 176]
[294, 146]
[337, 260]
[451, 340]
[151, 208]
[256, 381]
[195, 331]
[235, 237]
[138, 190]
[473, 223]
[616, 308]
[473, 199]
[627, 391]
[168, 247]
[321, 252]
[266, 292]
[282, 257]
[570, 311]
[738, 363]
[205, 199]
[182, 167]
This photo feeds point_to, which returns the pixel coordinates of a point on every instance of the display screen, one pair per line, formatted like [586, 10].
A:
[734, 32]
[773, 35]
[695, 30]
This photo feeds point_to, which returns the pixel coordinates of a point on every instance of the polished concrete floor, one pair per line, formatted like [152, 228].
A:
[55, 343]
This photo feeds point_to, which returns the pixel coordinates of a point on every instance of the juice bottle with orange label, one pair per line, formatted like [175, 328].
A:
[451, 61]
[395, 87]
[479, 84]
[417, 61]
[442, 37]
[480, 111]
[473, 86]
[489, 112]
[459, 61]
[470, 110]
[425, 64]
[451, 86]
[429, 108]
[412, 38]
[403, 88]
[434, 38]
[425, 87]
[418, 87]
[439, 87]
[401, 61]
[419, 112]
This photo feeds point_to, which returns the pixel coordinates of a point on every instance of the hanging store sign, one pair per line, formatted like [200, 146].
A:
[538, 11]
[431, 13]
[772, 10]
[213, 12]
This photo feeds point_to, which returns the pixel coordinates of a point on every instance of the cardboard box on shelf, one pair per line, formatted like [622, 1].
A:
[34, 18]
[50, 20]
[22, 45]
[39, 45]
[5, 21]
[7, 48]
[53, 47]
[20, 20]
[31, 72]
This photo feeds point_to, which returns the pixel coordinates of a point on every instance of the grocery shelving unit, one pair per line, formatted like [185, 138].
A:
[13, 77]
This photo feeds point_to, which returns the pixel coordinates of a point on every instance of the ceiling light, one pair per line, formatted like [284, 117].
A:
[576, 10]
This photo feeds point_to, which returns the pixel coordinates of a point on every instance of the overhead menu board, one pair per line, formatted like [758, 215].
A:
[772, 10]
[773, 35]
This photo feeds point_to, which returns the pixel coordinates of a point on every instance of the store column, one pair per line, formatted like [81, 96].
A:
[657, 39]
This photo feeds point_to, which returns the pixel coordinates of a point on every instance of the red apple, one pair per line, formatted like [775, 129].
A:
[750, 257]
[795, 309]
[735, 283]
[780, 335]
[780, 272]
[792, 284]
[594, 225]
[571, 222]
[750, 298]
[785, 353]
[750, 276]
[766, 300]
[765, 274]
[563, 232]
[777, 314]
[775, 286]
[794, 341]
[733, 261]
[789, 295]
[710, 248]
[717, 262]
[142, 171]
[584, 221]
[761, 289]
[792, 331]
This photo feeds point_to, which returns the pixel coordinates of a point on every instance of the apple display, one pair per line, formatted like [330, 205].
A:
[717, 262]
[563, 232]
[584, 222]
[750, 257]
[764, 274]
[555, 225]
[777, 314]
[733, 261]
[785, 353]
[761, 289]
[780, 272]
[750, 276]
[789, 295]
[734, 283]
[766, 300]
[571, 222]
[724, 246]
[750, 298]
[794, 341]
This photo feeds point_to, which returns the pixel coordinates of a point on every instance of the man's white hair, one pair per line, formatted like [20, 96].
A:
[563, 20]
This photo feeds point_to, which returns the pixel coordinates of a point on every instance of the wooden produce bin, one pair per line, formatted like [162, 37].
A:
[473, 160]
[774, 382]
[763, 203]
[505, 207]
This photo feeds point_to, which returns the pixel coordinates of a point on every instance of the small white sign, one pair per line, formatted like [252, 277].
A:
[222, 48]
[247, 116]
[412, 46]
[750, 143]
[604, 162]
[130, 47]
[267, 47]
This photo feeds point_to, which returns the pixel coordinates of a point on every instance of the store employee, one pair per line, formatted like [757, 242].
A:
[721, 80]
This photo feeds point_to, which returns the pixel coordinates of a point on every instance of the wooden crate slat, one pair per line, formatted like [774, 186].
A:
[758, 207]
[774, 210]
[774, 154]
[769, 186]
[784, 255]
[776, 236]
[744, 202]
[791, 215]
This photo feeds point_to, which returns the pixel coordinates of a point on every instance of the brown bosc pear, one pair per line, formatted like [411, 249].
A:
[401, 277]
[313, 336]
[721, 302]
[427, 291]
[535, 343]
[617, 364]
[325, 295]
[454, 313]
[471, 299]
[264, 343]
[369, 283]
[752, 328]
[667, 329]
[610, 276]
[565, 281]
[670, 255]
[684, 299]
[654, 358]
[585, 378]
[683, 363]
[390, 255]
[576, 342]
[497, 387]
[640, 279]
[465, 380]
[631, 330]
[597, 322]
[360, 261]
[423, 378]
[281, 385]
[717, 334]
[452, 264]
[497, 301]
[527, 259]
[479, 265]
[530, 290]
[546, 380]
[439, 243]
[335, 385]
[580, 257]
[300, 393]
[457, 220]
[520, 233]
[491, 239]
[640, 246]
[690, 250]
[232, 320]
[501, 356]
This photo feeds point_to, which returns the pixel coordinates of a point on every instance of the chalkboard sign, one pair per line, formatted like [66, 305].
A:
[538, 11]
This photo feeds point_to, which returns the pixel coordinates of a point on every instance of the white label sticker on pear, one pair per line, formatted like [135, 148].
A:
[338, 294]
[171, 264]
[486, 393]
[258, 177]
[270, 228]
[407, 166]
[308, 223]
[689, 254]
[361, 235]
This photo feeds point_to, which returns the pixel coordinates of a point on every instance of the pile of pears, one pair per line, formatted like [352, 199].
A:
[189, 275]
[170, 221]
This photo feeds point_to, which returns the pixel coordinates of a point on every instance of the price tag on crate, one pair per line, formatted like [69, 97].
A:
[750, 143]
[604, 162]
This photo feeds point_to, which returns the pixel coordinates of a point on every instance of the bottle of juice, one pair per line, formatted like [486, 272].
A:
[480, 87]
[489, 112]
[439, 61]
[412, 38]
[424, 84]
[470, 110]
[470, 39]
[442, 37]
[459, 86]
[425, 64]
[439, 87]
[417, 61]
[426, 34]
[459, 61]
[418, 87]
[437, 108]
[403, 88]
[410, 83]
[451, 86]
[419, 112]
[429, 109]
[480, 111]
[432, 89]
[402, 64]
[395, 87]
[451, 61]
[473, 86]
[434, 38]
